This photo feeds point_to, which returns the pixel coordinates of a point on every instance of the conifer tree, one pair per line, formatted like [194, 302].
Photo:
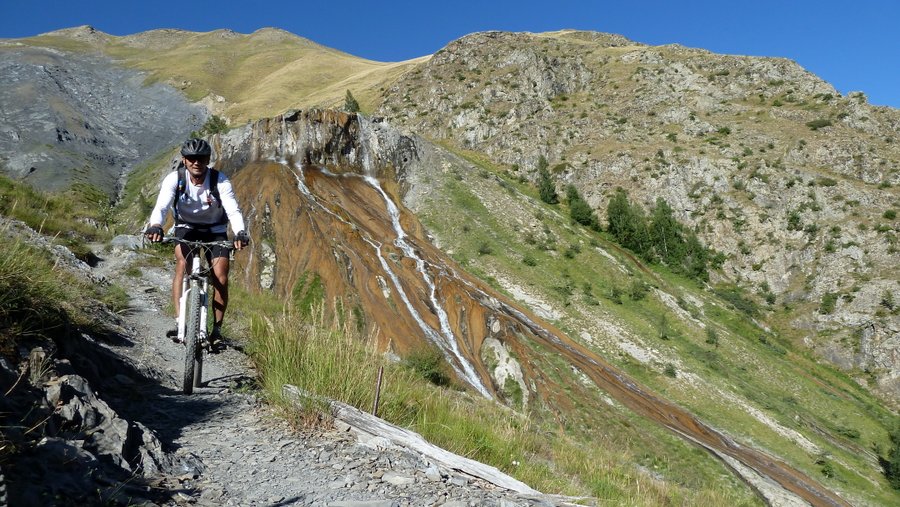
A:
[350, 103]
[546, 188]
[579, 209]
[668, 242]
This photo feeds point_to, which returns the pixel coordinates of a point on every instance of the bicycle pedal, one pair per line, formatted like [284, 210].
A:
[216, 347]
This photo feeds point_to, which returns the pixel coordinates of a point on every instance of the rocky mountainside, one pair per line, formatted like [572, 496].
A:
[241, 77]
[794, 182]
[68, 118]
[322, 192]
[81, 106]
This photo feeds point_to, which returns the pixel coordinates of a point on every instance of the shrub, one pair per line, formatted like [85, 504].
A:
[429, 364]
[712, 338]
[851, 433]
[214, 125]
[664, 332]
[670, 370]
[827, 468]
[615, 295]
[485, 248]
[529, 260]
[887, 300]
[829, 300]
[736, 298]
[638, 290]
[889, 214]
[818, 124]
[793, 221]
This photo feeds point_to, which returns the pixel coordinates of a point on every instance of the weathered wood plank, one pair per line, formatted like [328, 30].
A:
[368, 423]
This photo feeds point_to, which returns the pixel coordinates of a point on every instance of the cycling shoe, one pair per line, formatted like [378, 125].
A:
[173, 335]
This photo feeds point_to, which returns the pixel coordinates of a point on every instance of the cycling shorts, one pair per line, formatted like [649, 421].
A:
[202, 235]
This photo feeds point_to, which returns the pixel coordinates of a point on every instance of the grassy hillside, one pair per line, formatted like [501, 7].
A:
[795, 184]
[241, 77]
[705, 352]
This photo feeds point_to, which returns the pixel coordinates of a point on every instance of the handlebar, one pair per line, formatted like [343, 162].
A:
[224, 244]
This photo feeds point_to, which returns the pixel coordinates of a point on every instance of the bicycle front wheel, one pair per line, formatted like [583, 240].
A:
[191, 336]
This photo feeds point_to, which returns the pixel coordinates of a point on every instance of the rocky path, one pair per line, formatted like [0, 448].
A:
[224, 447]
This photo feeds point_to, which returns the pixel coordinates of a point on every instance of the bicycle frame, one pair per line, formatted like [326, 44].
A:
[200, 272]
[194, 308]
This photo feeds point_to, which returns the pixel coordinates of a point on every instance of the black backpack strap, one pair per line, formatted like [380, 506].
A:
[214, 185]
[179, 190]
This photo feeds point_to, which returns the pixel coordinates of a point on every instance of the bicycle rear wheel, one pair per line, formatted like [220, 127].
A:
[192, 338]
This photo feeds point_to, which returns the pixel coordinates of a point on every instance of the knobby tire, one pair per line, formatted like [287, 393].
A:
[192, 338]
[3, 498]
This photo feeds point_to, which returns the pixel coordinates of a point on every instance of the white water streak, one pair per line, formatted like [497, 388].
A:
[446, 343]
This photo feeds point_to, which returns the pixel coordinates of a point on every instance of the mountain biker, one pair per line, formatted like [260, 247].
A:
[202, 209]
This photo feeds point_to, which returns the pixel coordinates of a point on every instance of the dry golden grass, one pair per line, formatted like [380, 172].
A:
[259, 75]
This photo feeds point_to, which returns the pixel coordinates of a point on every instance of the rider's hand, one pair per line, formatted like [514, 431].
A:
[154, 233]
[241, 240]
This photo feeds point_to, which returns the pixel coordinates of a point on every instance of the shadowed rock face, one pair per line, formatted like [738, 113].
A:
[72, 118]
[320, 188]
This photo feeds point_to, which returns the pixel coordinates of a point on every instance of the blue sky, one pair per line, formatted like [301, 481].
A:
[853, 45]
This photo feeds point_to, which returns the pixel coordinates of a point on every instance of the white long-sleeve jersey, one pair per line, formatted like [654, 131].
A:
[197, 207]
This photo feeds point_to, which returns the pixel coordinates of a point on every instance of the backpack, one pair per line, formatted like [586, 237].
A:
[182, 185]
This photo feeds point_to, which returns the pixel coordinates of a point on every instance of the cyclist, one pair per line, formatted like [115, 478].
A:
[202, 209]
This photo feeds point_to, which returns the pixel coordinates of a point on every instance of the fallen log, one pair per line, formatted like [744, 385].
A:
[375, 426]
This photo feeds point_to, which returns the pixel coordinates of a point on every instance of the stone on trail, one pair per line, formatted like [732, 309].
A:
[397, 479]
[364, 503]
[124, 242]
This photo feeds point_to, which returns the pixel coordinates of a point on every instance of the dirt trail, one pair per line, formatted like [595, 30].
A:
[227, 448]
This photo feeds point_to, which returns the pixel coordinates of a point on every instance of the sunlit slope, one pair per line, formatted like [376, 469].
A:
[239, 76]
[609, 348]
[794, 183]
[678, 339]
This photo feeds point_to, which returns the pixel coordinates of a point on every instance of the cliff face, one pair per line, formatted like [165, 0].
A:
[322, 193]
[70, 118]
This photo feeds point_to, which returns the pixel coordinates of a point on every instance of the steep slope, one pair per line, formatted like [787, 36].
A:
[795, 183]
[320, 190]
[81, 106]
[68, 118]
[240, 77]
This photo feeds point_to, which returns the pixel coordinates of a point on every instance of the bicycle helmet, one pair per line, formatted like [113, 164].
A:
[196, 148]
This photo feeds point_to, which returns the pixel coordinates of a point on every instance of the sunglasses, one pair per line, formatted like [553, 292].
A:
[194, 160]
